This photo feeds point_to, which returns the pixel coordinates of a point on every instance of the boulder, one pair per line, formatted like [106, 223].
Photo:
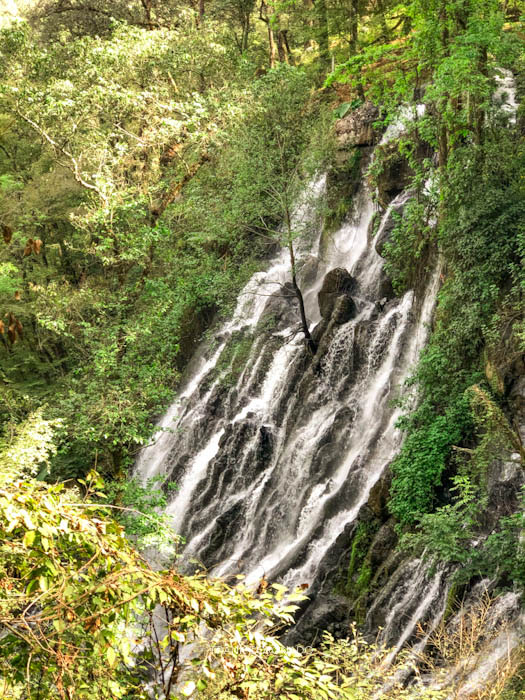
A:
[280, 310]
[380, 494]
[396, 172]
[385, 290]
[344, 309]
[307, 271]
[356, 129]
[334, 297]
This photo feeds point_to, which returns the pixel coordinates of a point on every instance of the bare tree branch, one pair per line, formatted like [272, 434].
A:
[74, 167]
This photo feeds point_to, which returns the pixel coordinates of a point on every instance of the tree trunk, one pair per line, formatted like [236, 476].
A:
[311, 344]
[245, 33]
[354, 26]
[263, 15]
[271, 42]
[146, 4]
[282, 46]
[287, 46]
[322, 31]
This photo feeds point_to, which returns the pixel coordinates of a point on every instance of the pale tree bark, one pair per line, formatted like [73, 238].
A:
[263, 15]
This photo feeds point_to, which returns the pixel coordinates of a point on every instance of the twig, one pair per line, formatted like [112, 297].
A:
[75, 168]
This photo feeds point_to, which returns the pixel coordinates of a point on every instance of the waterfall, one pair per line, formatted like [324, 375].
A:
[274, 460]
[275, 453]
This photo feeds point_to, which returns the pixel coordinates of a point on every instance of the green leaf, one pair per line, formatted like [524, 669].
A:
[29, 538]
[111, 656]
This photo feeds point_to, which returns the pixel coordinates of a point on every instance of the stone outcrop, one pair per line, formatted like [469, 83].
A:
[334, 298]
[396, 172]
[307, 271]
[356, 129]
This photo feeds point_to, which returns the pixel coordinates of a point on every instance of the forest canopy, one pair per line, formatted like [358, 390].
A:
[142, 145]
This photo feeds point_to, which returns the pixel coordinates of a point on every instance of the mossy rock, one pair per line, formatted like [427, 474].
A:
[342, 183]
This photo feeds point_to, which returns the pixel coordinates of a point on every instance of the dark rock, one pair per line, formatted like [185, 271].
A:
[356, 129]
[396, 172]
[344, 417]
[382, 545]
[379, 494]
[307, 271]
[344, 309]
[264, 447]
[337, 283]
[193, 324]
[385, 289]
[331, 613]
[216, 404]
[280, 310]
[227, 525]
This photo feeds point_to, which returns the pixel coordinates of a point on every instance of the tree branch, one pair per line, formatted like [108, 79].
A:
[74, 167]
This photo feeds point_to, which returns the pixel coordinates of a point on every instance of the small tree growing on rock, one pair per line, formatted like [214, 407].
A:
[286, 237]
[285, 192]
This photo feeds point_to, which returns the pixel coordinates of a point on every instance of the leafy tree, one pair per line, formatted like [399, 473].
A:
[83, 615]
[109, 275]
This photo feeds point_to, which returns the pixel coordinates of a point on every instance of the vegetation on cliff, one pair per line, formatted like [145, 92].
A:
[144, 151]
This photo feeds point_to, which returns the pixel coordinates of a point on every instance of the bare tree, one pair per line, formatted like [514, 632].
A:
[285, 193]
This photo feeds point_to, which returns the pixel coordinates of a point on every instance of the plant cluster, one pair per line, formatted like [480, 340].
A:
[137, 170]
[82, 615]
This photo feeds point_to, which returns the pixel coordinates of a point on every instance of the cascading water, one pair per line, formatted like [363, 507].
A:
[276, 453]
[273, 461]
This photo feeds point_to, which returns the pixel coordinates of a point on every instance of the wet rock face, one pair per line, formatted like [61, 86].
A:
[264, 449]
[385, 290]
[280, 309]
[383, 544]
[396, 171]
[379, 495]
[334, 297]
[307, 271]
[356, 129]
[344, 309]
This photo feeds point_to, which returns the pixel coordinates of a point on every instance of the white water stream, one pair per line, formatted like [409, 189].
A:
[278, 515]
[274, 463]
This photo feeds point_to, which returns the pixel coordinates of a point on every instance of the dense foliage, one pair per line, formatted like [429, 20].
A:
[149, 152]
[465, 156]
[82, 615]
[108, 276]
[467, 211]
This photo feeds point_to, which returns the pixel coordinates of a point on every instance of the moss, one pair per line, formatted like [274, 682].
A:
[357, 554]
[452, 599]
[234, 358]
[342, 184]
[359, 571]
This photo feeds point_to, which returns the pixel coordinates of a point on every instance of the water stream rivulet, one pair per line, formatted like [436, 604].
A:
[279, 456]
[275, 452]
